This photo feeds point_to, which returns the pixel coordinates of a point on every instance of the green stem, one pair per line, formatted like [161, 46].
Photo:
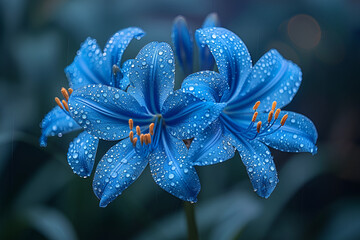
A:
[190, 220]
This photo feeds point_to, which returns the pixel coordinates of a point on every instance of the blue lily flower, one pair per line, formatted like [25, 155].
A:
[90, 66]
[273, 81]
[183, 43]
[160, 116]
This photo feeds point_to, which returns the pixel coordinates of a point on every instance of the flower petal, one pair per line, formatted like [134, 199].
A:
[81, 154]
[206, 85]
[124, 82]
[207, 61]
[56, 122]
[116, 171]
[258, 162]
[153, 74]
[117, 44]
[186, 115]
[171, 171]
[183, 44]
[210, 147]
[297, 135]
[87, 67]
[230, 53]
[104, 111]
[273, 78]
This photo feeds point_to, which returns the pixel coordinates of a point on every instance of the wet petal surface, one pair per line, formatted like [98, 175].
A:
[56, 123]
[104, 111]
[230, 53]
[186, 115]
[206, 85]
[171, 171]
[210, 147]
[81, 154]
[153, 75]
[116, 171]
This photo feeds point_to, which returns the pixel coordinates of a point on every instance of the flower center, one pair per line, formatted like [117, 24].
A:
[64, 103]
[258, 129]
[144, 143]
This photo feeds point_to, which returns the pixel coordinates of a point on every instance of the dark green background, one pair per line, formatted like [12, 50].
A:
[317, 197]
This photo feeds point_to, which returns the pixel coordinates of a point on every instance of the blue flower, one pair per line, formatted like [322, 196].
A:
[160, 116]
[183, 43]
[252, 117]
[90, 66]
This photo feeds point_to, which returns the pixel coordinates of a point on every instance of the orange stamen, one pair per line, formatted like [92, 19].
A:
[256, 105]
[138, 132]
[57, 100]
[131, 136]
[134, 141]
[277, 113]
[254, 116]
[148, 138]
[65, 94]
[131, 124]
[258, 126]
[271, 113]
[151, 128]
[70, 91]
[273, 106]
[66, 105]
[283, 120]
[142, 139]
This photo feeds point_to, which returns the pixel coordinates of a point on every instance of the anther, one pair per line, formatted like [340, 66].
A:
[148, 138]
[131, 124]
[142, 139]
[271, 113]
[273, 106]
[254, 116]
[70, 90]
[151, 129]
[65, 94]
[283, 120]
[57, 100]
[131, 136]
[277, 113]
[256, 105]
[134, 141]
[65, 105]
[258, 126]
[138, 132]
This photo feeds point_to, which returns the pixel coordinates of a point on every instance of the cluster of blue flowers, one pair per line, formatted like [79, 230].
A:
[218, 112]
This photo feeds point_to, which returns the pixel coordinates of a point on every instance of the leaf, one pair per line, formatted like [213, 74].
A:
[51, 223]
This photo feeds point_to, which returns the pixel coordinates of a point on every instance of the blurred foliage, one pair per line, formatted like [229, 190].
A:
[317, 196]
